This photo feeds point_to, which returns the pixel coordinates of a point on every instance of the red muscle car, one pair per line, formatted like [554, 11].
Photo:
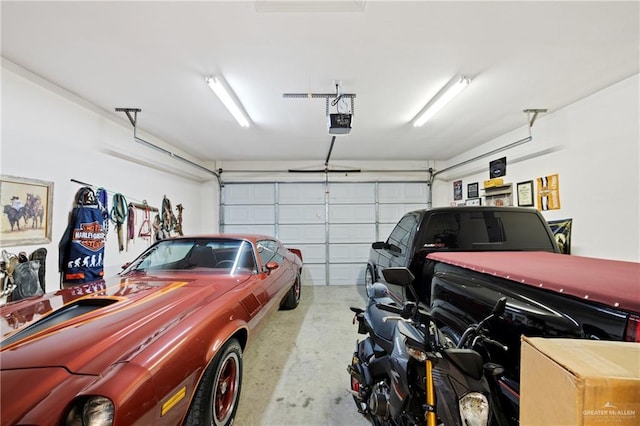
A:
[160, 345]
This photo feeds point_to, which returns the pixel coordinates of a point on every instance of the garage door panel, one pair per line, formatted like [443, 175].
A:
[332, 225]
[352, 233]
[349, 253]
[301, 214]
[302, 233]
[268, 230]
[249, 194]
[352, 193]
[403, 192]
[301, 193]
[352, 213]
[311, 253]
[392, 213]
[340, 274]
[249, 214]
[314, 275]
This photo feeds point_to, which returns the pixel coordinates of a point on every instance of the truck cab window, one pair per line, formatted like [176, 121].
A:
[402, 234]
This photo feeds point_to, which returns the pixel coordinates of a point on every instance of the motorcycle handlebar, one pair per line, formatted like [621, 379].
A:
[389, 308]
[473, 334]
[495, 343]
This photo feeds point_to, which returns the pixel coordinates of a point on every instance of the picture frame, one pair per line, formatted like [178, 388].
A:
[474, 202]
[457, 190]
[27, 211]
[498, 168]
[525, 193]
[472, 190]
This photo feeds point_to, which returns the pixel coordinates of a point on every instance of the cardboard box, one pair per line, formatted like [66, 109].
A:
[579, 382]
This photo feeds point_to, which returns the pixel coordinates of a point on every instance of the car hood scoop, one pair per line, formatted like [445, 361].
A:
[64, 314]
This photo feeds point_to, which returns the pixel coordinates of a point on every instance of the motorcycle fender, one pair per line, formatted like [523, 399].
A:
[451, 383]
[365, 349]
[446, 397]
[399, 385]
[362, 325]
[364, 352]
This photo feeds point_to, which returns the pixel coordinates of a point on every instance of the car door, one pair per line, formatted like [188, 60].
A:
[278, 278]
[397, 249]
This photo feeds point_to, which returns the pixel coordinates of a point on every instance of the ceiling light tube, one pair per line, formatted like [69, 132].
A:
[224, 93]
[448, 92]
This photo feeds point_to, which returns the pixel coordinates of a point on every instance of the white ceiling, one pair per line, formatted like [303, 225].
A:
[392, 55]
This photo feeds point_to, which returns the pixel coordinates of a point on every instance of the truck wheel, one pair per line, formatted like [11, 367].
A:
[368, 278]
[216, 399]
[451, 336]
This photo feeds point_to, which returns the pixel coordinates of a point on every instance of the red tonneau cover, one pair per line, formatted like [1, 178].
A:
[611, 282]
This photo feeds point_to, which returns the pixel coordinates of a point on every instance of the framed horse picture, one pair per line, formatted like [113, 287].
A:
[27, 206]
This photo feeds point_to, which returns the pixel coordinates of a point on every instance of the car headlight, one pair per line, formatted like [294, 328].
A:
[93, 411]
[474, 409]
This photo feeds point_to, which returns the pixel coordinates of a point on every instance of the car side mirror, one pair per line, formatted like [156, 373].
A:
[126, 265]
[378, 245]
[270, 266]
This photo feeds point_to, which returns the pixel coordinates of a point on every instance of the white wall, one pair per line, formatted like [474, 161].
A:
[51, 135]
[593, 145]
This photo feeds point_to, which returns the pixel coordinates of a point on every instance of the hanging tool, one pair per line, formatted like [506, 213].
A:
[118, 216]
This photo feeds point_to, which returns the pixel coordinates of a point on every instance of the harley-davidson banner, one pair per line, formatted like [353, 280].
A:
[82, 251]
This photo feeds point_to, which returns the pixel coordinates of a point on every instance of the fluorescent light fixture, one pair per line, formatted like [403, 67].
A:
[448, 92]
[223, 91]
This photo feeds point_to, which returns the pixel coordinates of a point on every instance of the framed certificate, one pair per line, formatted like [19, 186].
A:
[472, 190]
[525, 193]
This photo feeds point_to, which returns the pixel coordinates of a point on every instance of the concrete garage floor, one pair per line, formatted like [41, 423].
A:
[295, 373]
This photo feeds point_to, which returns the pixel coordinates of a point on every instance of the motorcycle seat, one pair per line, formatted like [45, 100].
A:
[382, 329]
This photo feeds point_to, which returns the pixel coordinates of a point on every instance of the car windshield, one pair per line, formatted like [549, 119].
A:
[220, 255]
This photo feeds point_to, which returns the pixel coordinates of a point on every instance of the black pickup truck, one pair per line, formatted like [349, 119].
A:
[466, 258]
[485, 228]
[548, 295]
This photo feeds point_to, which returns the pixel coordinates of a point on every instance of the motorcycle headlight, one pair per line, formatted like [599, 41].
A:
[474, 409]
[93, 411]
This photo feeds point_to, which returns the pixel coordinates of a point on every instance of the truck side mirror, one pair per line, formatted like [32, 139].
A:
[383, 245]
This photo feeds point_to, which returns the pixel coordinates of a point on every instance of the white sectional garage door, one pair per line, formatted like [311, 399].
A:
[334, 225]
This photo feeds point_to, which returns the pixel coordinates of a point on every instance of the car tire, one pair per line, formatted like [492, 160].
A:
[369, 279]
[216, 399]
[292, 299]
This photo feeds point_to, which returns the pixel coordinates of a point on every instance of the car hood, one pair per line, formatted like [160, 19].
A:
[87, 328]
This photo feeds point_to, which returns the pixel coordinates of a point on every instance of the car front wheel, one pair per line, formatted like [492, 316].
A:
[217, 395]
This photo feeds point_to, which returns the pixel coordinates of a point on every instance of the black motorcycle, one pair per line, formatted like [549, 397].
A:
[406, 372]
